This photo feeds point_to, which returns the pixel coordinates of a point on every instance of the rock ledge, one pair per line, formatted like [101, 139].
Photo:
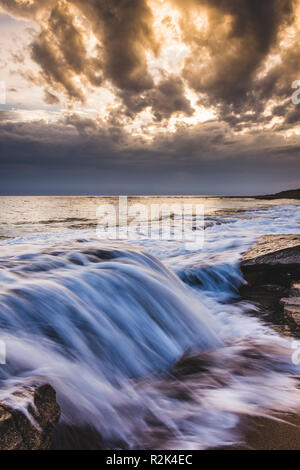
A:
[27, 418]
[272, 271]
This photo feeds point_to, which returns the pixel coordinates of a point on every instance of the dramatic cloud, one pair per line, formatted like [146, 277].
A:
[165, 99]
[87, 44]
[122, 30]
[236, 37]
[80, 156]
[153, 82]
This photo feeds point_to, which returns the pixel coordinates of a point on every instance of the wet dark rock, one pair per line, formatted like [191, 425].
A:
[272, 271]
[27, 418]
[275, 259]
[291, 306]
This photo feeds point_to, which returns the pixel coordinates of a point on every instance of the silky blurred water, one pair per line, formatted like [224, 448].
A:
[145, 341]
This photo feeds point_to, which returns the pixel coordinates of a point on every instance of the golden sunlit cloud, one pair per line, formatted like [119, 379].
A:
[151, 66]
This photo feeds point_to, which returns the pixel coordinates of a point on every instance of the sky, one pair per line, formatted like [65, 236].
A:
[149, 97]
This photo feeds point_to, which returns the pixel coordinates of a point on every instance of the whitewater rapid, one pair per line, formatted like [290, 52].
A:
[143, 342]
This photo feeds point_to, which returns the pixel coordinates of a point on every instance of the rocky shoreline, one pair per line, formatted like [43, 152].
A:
[28, 416]
[271, 268]
[272, 271]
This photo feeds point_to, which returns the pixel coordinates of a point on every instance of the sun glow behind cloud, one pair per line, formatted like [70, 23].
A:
[189, 56]
[167, 32]
[168, 59]
[164, 87]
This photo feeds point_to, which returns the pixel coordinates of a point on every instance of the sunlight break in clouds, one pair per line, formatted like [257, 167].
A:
[203, 78]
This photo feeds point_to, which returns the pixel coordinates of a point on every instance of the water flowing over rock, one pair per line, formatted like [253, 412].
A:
[147, 344]
[27, 418]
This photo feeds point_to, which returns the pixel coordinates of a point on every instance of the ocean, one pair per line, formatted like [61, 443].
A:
[146, 341]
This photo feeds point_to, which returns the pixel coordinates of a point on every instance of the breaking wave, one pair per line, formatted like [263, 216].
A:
[135, 353]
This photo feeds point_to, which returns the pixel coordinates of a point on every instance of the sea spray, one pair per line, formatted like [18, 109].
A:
[136, 354]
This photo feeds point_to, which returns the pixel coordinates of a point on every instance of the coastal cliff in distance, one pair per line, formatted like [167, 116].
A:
[290, 194]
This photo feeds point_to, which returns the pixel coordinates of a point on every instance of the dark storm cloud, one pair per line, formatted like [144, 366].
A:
[227, 65]
[235, 47]
[240, 35]
[124, 30]
[277, 83]
[224, 66]
[57, 159]
[61, 53]
[54, 72]
[166, 98]
[122, 27]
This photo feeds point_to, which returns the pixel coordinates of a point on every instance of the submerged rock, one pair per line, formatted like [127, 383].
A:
[27, 418]
[272, 271]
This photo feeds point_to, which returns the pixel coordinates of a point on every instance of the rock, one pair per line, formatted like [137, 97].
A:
[291, 305]
[291, 302]
[295, 289]
[275, 259]
[272, 271]
[27, 418]
[274, 249]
